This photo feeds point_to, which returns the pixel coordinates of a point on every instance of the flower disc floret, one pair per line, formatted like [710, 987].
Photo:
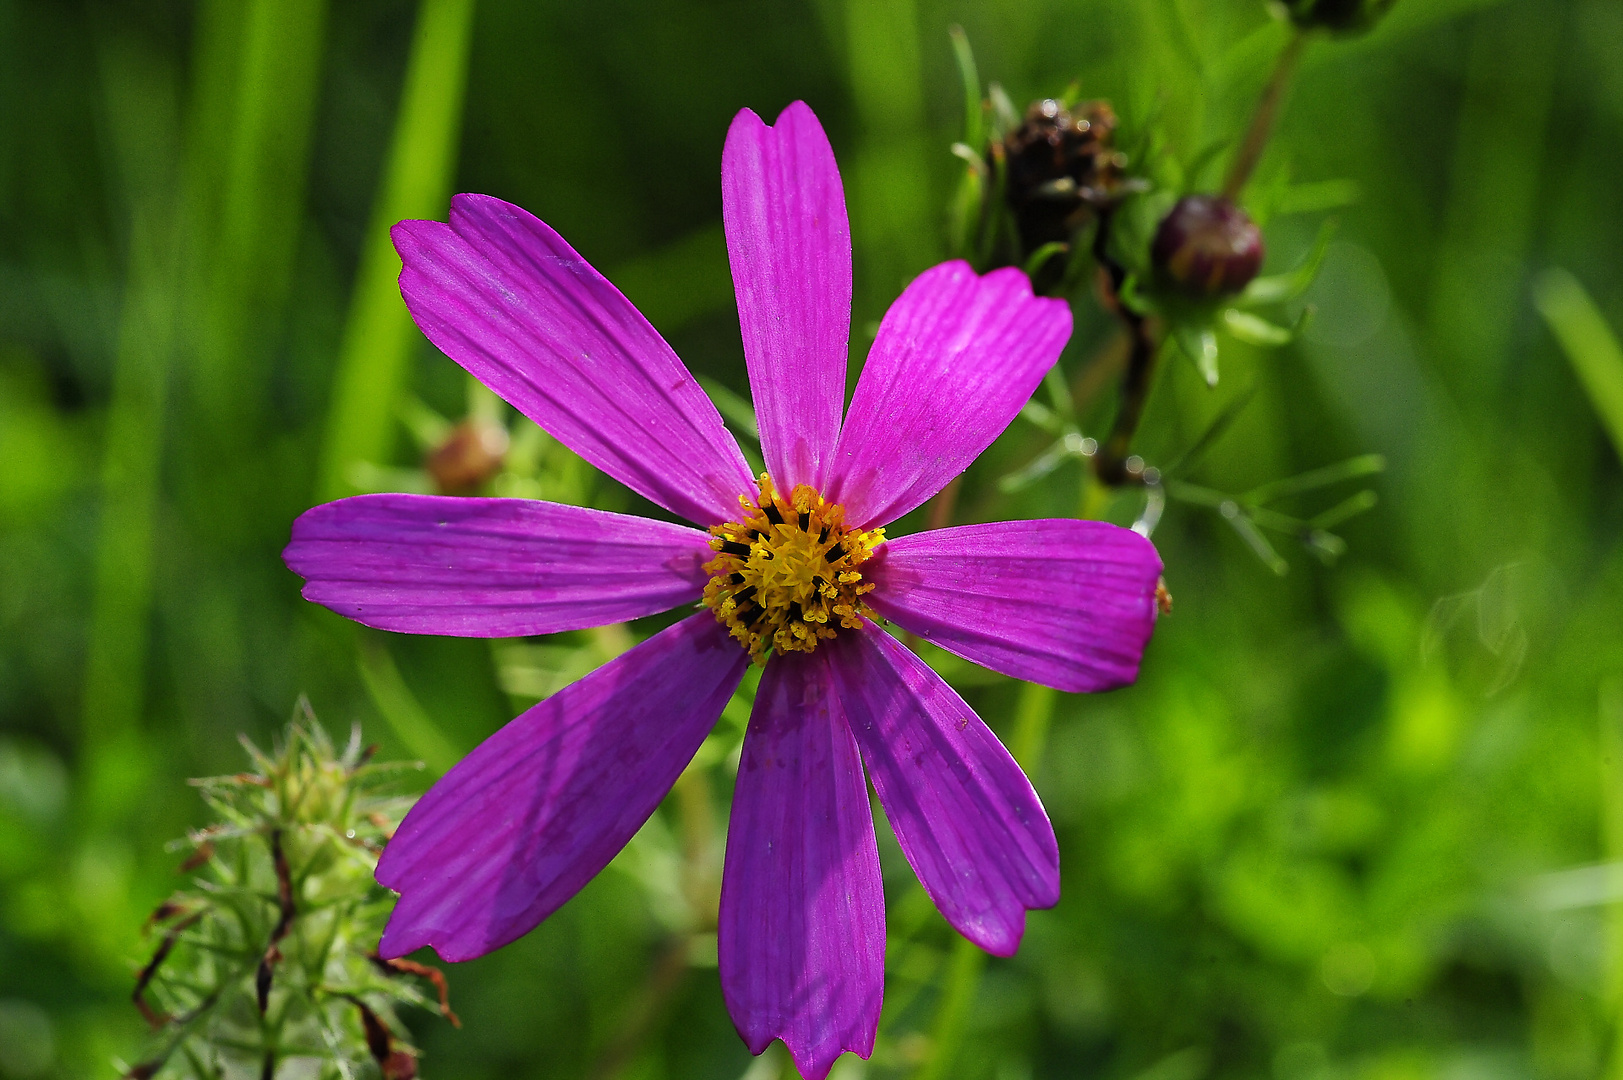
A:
[785, 574]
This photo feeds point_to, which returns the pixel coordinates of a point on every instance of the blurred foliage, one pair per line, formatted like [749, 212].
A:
[1359, 821]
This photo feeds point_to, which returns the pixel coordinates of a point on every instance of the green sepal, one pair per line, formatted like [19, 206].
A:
[1199, 342]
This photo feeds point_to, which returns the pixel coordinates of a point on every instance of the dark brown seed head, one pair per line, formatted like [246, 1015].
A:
[1061, 165]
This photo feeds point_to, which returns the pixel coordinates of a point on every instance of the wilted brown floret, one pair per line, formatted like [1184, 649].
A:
[1061, 166]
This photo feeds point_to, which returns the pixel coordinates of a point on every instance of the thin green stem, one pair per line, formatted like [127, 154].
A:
[1265, 116]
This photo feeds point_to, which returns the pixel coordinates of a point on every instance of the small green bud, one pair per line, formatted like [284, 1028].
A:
[1207, 248]
[271, 958]
[1337, 16]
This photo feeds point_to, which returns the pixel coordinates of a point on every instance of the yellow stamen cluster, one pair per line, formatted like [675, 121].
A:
[785, 575]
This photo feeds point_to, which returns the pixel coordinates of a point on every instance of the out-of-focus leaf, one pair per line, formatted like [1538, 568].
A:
[1317, 197]
[1278, 288]
[969, 78]
[1035, 261]
[1005, 117]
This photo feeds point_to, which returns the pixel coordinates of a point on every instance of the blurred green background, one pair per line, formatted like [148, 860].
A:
[1353, 821]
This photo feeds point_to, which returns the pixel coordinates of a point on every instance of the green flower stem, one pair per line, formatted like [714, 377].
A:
[378, 336]
[1267, 113]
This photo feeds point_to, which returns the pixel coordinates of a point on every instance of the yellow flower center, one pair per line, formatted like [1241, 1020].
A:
[785, 575]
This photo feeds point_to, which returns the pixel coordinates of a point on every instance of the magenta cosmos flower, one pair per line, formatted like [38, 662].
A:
[793, 572]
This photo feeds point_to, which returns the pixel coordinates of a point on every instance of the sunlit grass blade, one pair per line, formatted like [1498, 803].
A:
[247, 179]
[1591, 346]
[379, 335]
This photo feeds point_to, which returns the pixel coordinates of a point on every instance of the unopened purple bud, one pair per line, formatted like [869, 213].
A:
[1207, 247]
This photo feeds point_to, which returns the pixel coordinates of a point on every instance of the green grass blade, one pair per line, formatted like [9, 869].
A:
[379, 335]
[248, 180]
[1591, 346]
[142, 110]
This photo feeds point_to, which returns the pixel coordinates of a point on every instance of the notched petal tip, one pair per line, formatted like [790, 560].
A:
[789, 249]
[816, 1063]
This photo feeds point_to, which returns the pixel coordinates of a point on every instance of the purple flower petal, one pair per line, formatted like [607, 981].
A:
[1066, 603]
[956, 357]
[504, 296]
[965, 815]
[426, 564]
[802, 931]
[790, 248]
[542, 805]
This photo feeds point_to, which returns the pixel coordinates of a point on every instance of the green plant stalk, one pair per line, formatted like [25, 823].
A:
[378, 335]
